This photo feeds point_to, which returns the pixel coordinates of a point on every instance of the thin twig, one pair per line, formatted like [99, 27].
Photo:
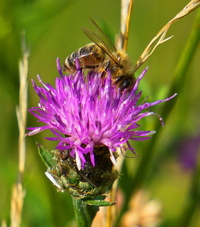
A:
[160, 37]
[18, 192]
[126, 9]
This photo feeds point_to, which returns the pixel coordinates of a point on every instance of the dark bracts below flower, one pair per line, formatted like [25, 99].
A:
[87, 183]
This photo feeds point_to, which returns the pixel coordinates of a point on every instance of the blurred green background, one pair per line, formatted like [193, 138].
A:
[53, 29]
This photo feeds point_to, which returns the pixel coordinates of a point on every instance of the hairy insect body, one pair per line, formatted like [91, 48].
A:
[102, 56]
[94, 57]
[89, 57]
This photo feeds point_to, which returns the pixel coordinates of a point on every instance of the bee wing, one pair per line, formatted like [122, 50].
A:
[104, 37]
[102, 41]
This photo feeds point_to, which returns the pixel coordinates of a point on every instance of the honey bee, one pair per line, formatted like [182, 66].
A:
[102, 55]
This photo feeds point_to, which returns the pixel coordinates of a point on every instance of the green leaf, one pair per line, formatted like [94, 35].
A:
[98, 202]
[47, 156]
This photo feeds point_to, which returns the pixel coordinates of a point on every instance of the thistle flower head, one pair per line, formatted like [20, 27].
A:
[85, 111]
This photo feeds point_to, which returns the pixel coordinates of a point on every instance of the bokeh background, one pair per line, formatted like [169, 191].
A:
[53, 29]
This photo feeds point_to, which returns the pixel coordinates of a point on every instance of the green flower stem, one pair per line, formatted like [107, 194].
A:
[176, 87]
[84, 213]
[192, 202]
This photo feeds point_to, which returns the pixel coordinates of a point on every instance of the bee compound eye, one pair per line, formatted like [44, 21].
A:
[126, 84]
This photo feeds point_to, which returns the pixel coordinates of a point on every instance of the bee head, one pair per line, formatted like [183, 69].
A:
[125, 82]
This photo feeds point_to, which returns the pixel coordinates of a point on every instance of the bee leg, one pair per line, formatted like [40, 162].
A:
[107, 64]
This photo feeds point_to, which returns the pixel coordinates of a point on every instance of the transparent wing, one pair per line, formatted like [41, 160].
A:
[102, 41]
[104, 37]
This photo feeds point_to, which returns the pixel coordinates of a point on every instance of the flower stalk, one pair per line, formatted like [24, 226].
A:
[84, 213]
[192, 200]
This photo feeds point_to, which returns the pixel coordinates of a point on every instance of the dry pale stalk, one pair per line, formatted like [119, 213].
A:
[126, 9]
[18, 192]
[160, 37]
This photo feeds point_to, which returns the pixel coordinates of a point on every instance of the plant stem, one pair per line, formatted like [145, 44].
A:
[192, 202]
[84, 213]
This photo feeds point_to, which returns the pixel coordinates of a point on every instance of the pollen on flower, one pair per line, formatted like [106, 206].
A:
[86, 111]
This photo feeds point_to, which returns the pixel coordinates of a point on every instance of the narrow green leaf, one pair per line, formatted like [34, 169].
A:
[47, 156]
[96, 202]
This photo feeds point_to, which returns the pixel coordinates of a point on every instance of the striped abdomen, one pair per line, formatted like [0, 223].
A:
[89, 56]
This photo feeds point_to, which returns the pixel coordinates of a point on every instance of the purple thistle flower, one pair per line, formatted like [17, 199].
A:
[84, 111]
